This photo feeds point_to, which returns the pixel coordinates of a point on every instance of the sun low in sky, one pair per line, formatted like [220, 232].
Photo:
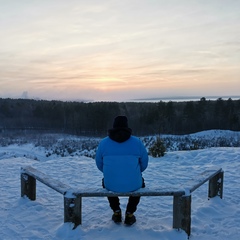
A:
[119, 50]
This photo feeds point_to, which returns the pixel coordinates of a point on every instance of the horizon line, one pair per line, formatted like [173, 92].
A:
[153, 99]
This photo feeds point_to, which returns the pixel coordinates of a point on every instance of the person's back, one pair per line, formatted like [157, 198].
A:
[123, 164]
[122, 158]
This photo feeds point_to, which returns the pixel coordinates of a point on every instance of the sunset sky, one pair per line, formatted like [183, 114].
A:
[119, 50]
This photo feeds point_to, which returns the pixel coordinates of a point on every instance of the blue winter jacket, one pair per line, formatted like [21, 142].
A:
[122, 158]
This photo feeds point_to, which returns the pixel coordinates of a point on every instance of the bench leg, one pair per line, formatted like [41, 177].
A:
[73, 210]
[182, 213]
[28, 186]
[215, 186]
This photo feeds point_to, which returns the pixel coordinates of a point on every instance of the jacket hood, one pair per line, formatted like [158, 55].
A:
[120, 134]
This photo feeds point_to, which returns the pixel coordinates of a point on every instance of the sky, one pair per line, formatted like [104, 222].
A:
[119, 50]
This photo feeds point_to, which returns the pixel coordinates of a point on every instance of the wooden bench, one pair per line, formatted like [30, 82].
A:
[73, 197]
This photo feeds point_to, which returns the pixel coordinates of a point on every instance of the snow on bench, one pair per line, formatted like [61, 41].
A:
[73, 197]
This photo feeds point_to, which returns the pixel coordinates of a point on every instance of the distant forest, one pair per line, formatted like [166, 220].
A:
[93, 119]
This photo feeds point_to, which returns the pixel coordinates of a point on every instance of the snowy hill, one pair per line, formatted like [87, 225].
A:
[48, 146]
[215, 219]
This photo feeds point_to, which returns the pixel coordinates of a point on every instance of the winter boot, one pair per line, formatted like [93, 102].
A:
[117, 216]
[130, 219]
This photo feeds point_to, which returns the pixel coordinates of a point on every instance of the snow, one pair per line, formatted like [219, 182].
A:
[43, 219]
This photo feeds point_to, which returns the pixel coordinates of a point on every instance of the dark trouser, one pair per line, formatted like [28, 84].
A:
[131, 206]
[132, 201]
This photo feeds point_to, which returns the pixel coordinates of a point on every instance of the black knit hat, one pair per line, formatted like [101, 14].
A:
[120, 122]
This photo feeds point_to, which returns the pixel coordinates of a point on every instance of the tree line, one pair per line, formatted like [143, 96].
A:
[94, 119]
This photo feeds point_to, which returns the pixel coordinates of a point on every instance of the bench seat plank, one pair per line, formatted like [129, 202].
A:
[141, 192]
[45, 179]
[200, 179]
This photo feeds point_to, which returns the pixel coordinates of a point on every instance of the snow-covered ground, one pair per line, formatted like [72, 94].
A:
[214, 219]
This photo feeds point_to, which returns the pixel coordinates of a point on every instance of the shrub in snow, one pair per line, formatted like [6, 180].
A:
[158, 148]
[67, 145]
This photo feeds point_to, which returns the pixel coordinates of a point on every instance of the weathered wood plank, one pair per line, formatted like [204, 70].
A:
[141, 192]
[45, 179]
[215, 186]
[177, 218]
[200, 179]
[73, 198]
[28, 186]
[182, 213]
[186, 210]
[73, 210]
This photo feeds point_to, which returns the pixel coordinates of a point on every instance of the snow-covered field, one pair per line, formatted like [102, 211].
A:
[214, 219]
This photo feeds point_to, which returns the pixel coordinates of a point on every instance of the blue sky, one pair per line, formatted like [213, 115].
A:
[119, 50]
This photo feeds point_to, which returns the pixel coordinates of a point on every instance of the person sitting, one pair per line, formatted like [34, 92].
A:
[122, 158]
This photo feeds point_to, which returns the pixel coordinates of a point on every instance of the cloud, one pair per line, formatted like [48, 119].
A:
[103, 50]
